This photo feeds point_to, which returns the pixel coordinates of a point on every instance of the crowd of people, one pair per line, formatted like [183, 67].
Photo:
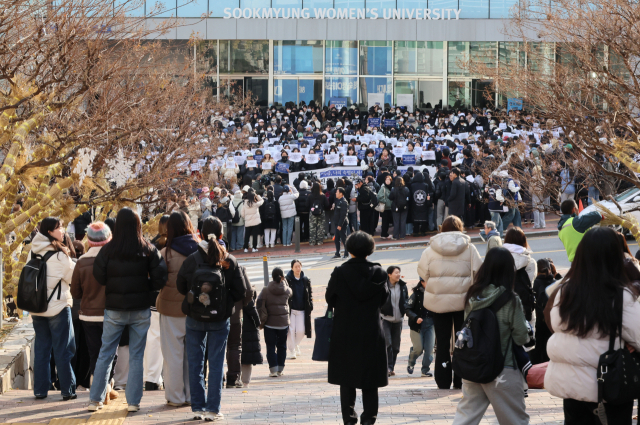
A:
[139, 314]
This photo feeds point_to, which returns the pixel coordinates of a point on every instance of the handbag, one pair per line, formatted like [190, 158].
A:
[380, 207]
[618, 370]
[324, 327]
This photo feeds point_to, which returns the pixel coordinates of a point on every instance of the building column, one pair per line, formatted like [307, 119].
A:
[445, 72]
[270, 88]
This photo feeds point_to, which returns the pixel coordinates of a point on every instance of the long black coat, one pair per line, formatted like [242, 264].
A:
[358, 354]
[308, 301]
[457, 197]
[420, 191]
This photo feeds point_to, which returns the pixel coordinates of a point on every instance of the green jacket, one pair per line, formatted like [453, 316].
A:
[383, 196]
[510, 317]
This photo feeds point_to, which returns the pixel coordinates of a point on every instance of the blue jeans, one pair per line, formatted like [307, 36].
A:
[427, 341]
[287, 230]
[54, 332]
[409, 228]
[237, 237]
[200, 337]
[353, 222]
[593, 193]
[114, 323]
[430, 220]
[276, 340]
[512, 216]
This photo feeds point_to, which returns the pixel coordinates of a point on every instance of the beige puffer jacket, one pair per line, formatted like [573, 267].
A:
[251, 214]
[572, 369]
[446, 266]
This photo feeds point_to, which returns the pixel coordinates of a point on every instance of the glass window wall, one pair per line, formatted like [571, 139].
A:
[413, 4]
[341, 87]
[207, 56]
[260, 4]
[458, 55]
[286, 5]
[375, 57]
[511, 53]
[461, 52]
[216, 7]
[501, 9]
[317, 4]
[131, 9]
[310, 90]
[285, 91]
[341, 57]
[161, 8]
[418, 57]
[244, 56]
[429, 94]
[473, 9]
[382, 6]
[459, 94]
[375, 85]
[404, 88]
[192, 8]
[442, 4]
[541, 57]
[350, 4]
[297, 57]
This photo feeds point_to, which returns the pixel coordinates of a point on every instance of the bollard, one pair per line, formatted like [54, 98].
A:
[225, 236]
[265, 262]
[297, 231]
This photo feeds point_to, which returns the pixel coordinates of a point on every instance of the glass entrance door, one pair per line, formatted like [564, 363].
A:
[297, 90]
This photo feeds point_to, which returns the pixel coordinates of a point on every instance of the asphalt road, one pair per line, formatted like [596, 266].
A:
[319, 267]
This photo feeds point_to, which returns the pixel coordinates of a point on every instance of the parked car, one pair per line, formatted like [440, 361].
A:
[629, 200]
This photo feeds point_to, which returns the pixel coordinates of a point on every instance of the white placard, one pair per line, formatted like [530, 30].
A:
[350, 160]
[239, 159]
[312, 158]
[277, 155]
[219, 162]
[253, 140]
[304, 151]
[230, 164]
[429, 156]
[295, 157]
[405, 100]
[332, 158]
[195, 167]
[252, 163]
[463, 135]
[398, 151]
[266, 165]
[431, 132]
[502, 126]
[479, 128]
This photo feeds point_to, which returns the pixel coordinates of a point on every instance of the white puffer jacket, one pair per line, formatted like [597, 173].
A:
[251, 214]
[59, 267]
[522, 258]
[572, 369]
[446, 265]
[287, 203]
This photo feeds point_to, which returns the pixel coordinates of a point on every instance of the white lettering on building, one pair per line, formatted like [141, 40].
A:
[351, 13]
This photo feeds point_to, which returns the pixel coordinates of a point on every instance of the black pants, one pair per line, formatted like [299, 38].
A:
[387, 220]
[304, 227]
[442, 323]
[366, 221]
[251, 231]
[581, 413]
[276, 342]
[81, 362]
[234, 351]
[392, 338]
[341, 236]
[420, 227]
[348, 404]
[93, 337]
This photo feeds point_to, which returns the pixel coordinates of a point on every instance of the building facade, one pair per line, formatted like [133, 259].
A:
[406, 52]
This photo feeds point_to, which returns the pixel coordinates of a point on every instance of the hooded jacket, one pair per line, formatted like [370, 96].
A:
[85, 287]
[572, 369]
[421, 198]
[447, 265]
[169, 302]
[357, 354]
[288, 203]
[251, 213]
[273, 305]
[511, 320]
[523, 260]
[237, 203]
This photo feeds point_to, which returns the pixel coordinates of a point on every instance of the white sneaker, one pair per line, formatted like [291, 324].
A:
[246, 250]
[298, 352]
[211, 417]
[293, 356]
[93, 406]
[280, 373]
[133, 408]
[254, 250]
[198, 416]
[273, 375]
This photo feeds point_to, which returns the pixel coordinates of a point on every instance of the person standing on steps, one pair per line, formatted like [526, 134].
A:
[422, 334]
[392, 313]
[340, 210]
[300, 307]
[356, 291]
[273, 308]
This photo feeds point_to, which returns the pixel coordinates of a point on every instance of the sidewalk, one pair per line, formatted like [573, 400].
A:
[328, 246]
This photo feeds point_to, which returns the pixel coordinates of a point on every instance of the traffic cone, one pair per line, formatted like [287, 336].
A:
[580, 207]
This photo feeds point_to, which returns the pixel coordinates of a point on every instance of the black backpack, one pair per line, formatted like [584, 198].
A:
[270, 210]
[224, 214]
[317, 207]
[480, 359]
[32, 286]
[207, 300]
[401, 200]
[525, 292]
[236, 216]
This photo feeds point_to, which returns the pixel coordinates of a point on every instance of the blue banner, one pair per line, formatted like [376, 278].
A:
[460, 147]
[282, 167]
[338, 102]
[320, 155]
[514, 104]
[378, 152]
[373, 122]
[409, 159]
[361, 153]
[258, 158]
[390, 123]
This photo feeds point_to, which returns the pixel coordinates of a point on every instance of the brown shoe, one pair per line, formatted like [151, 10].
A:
[113, 394]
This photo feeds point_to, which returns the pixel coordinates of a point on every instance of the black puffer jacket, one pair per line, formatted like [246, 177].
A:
[414, 308]
[129, 283]
[387, 308]
[251, 350]
[232, 278]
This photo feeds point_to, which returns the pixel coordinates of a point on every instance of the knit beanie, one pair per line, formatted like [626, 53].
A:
[98, 234]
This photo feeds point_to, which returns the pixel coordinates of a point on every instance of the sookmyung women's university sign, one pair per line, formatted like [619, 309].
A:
[331, 13]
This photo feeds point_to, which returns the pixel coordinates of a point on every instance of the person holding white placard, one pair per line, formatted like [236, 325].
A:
[268, 164]
[387, 160]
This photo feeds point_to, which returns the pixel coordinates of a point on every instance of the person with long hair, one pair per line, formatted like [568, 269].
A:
[399, 197]
[251, 214]
[356, 292]
[182, 241]
[160, 240]
[383, 196]
[582, 313]
[130, 268]
[317, 203]
[495, 280]
[53, 328]
[270, 219]
[300, 308]
[447, 265]
[515, 241]
[208, 332]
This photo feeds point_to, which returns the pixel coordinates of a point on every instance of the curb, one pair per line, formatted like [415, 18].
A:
[16, 358]
[381, 246]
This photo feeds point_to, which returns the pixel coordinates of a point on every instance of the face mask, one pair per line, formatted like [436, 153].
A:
[288, 111]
